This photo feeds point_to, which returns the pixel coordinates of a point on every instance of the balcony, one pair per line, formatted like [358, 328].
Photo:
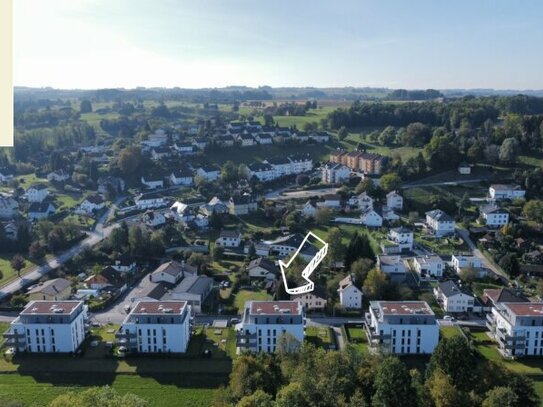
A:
[246, 340]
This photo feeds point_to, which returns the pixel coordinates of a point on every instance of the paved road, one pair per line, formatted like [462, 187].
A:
[476, 252]
[99, 233]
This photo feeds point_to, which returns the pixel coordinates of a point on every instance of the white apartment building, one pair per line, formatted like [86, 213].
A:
[505, 191]
[452, 298]
[334, 173]
[156, 327]
[350, 297]
[281, 165]
[429, 265]
[493, 216]
[300, 162]
[440, 223]
[518, 328]
[263, 323]
[394, 200]
[403, 237]
[48, 326]
[262, 171]
[402, 327]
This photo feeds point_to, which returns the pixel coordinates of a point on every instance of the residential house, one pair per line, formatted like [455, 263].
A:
[263, 323]
[158, 153]
[40, 210]
[200, 142]
[320, 136]
[37, 193]
[149, 201]
[194, 290]
[464, 168]
[58, 176]
[505, 191]
[334, 173]
[309, 209]
[262, 171]
[57, 289]
[494, 296]
[172, 272]
[241, 205]
[246, 140]
[284, 246]
[91, 204]
[108, 277]
[48, 327]
[330, 201]
[229, 238]
[153, 219]
[263, 268]
[312, 301]
[388, 214]
[264, 138]
[152, 181]
[8, 207]
[362, 201]
[394, 200]
[403, 237]
[156, 327]
[402, 327]
[517, 328]
[124, 263]
[429, 265]
[460, 262]
[281, 165]
[184, 148]
[440, 223]
[452, 298]
[493, 216]
[215, 205]
[350, 296]
[114, 183]
[391, 264]
[181, 176]
[301, 162]
[209, 172]
[371, 218]
[5, 176]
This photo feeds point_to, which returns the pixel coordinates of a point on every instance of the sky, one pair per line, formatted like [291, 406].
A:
[412, 44]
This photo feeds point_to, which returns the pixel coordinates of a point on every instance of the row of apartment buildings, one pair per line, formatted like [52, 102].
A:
[368, 163]
[277, 167]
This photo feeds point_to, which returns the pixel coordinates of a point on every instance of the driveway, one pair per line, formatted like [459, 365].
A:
[464, 234]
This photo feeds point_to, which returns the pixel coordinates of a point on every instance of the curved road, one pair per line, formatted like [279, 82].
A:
[98, 234]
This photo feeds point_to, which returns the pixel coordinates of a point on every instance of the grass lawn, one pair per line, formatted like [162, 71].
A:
[358, 339]
[449, 331]
[319, 336]
[160, 390]
[8, 273]
[242, 296]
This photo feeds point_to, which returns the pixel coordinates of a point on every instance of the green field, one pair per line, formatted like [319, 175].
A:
[449, 331]
[8, 273]
[242, 296]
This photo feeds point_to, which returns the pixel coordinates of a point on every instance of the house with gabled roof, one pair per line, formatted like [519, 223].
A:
[440, 223]
[350, 296]
[453, 298]
[263, 268]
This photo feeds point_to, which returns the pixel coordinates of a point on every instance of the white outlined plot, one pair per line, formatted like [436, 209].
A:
[308, 270]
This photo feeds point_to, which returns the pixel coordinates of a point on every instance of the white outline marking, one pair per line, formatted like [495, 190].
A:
[308, 270]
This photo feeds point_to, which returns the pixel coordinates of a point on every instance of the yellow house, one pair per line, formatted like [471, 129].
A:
[53, 290]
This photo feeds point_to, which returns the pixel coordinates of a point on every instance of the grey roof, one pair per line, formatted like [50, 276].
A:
[230, 233]
[439, 215]
[263, 262]
[387, 259]
[175, 268]
[194, 285]
[51, 287]
[505, 187]
[449, 288]
[257, 167]
[401, 229]
[488, 209]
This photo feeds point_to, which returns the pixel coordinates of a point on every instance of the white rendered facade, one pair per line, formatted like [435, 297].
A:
[402, 327]
[48, 327]
[263, 323]
[156, 327]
